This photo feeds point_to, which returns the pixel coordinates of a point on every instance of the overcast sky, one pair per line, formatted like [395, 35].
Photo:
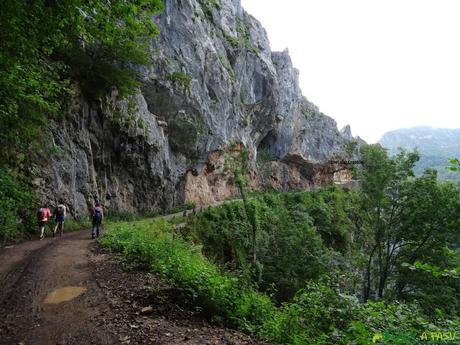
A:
[377, 65]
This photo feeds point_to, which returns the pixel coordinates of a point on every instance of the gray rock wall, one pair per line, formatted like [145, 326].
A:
[214, 82]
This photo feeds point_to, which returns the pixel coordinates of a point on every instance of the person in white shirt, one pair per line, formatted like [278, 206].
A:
[60, 213]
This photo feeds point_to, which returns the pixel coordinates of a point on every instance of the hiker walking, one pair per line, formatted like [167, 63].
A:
[97, 214]
[43, 215]
[60, 213]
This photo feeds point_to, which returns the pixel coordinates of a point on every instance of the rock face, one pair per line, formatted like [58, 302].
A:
[214, 90]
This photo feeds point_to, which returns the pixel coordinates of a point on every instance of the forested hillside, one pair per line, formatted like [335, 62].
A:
[435, 146]
[378, 265]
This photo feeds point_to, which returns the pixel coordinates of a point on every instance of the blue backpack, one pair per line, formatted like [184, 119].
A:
[97, 215]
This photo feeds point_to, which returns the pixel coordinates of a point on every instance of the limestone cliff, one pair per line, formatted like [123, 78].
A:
[214, 84]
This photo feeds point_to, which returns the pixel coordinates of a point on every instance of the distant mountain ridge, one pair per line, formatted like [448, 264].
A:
[435, 145]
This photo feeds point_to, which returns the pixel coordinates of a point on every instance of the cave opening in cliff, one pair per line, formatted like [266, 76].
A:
[267, 146]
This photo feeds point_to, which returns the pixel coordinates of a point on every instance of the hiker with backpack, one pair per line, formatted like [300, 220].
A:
[60, 213]
[97, 214]
[43, 215]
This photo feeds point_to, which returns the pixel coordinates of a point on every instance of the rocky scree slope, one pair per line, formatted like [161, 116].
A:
[215, 88]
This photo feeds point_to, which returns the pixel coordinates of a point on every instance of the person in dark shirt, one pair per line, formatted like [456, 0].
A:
[97, 215]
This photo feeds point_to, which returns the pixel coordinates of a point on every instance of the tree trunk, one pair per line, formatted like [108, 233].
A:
[367, 281]
[382, 282]
[251, 221]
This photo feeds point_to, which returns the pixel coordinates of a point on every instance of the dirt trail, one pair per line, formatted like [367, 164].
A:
[33, 270]
[109, 308]
[197, 209]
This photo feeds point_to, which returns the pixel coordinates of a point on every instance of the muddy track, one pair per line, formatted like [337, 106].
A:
[54, 264]
[108, 311]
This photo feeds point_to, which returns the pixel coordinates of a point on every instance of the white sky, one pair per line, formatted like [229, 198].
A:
[377, 65]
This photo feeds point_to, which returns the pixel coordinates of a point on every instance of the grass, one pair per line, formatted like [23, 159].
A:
[228, 68]
[76, 224]
[178, 220]
[208, 6]
[181, 78]
[70, 225]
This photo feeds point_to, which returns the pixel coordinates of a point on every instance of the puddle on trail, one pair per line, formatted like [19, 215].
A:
[64, 294]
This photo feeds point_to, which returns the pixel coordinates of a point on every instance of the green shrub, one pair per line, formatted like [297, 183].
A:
[185, 134]
[289, 250]
[351, 146]
[252, 311]
[208, 6]
[122, 216]
[180, 208]
[155, 246]
[244, 36]
[318, 314]
[75, 224]
[228, 67]
[181, 79]
[265, 156]
[233, 41]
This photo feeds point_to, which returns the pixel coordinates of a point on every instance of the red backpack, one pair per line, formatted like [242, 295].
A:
[41, 214]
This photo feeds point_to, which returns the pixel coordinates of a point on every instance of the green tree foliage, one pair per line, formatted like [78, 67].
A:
[185, 134]
[378, 265]
[181, 79]
[237, 162]
[368, 241]
[49, 45]
[407, 219]
[455, 165]
[290, 248]
[15, 201]
[328, 207]
[430, 219]
[382, 180]
[318, 314]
